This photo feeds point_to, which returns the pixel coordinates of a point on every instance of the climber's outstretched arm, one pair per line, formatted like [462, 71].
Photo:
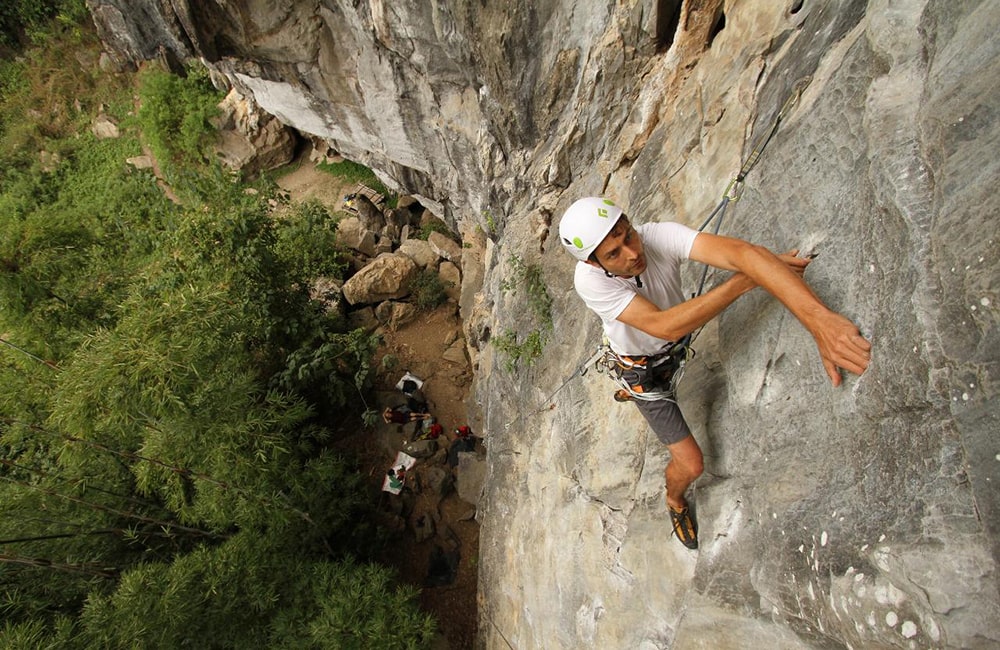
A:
[840, 343]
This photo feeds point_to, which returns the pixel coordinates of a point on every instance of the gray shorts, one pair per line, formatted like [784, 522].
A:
[665, 419]
[663, 415]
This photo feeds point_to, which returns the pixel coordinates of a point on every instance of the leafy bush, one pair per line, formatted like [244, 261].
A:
[175, 115]
[434, 225]
[209, 599]
[526, 351]
[23, 21]
[160, 423]
[526, 278]
[428, 289]
[307, 242]
[353, 172]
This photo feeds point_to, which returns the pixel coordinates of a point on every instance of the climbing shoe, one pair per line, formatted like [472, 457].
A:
[684, 526]
[622, 395]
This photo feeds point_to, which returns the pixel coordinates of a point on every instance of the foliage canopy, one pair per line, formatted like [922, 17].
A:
[165, 477]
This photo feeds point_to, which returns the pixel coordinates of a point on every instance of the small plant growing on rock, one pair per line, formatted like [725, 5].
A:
[434, 225]
[515, 352]
[491, 224]
[428, 289]
[527, 278]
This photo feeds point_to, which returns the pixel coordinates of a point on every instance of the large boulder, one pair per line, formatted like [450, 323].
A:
[104, 127]
[370, 215]
[353, 234]
[446, 247]
[387, 277]
[250, 139]
[329, 292]
[470, 477]
[394, 314]
[363, 318]
[420, 252]
[451, 278]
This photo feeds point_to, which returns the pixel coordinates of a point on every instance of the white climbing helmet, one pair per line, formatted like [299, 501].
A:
[585, 225]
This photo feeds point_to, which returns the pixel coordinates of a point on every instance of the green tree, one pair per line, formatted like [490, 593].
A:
[175, 115]
[22, 21]
[247, 593]
[165, 475]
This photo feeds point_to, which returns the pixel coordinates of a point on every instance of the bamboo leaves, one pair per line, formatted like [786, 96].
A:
[164, 471]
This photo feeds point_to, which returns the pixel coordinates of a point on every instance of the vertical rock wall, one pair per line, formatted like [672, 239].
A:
[855, 517]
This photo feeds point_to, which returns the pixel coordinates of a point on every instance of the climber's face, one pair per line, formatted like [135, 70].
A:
[620, 253]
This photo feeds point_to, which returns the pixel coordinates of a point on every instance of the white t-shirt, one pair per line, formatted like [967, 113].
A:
[666, 245]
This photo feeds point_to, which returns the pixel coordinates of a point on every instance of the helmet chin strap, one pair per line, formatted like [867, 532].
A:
[638, 279]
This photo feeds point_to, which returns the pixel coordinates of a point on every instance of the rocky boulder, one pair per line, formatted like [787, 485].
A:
[251, 140]
[363, 318]
[387, 277]
[395, 314]
[328, 291]
[352, 234]
[470, 477]
[445, 247]
[104, 127]
[370, 215]
[451, 278]
[420, 252]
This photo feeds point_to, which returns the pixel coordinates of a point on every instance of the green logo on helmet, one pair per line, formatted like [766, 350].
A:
[609, 202]
[578, 242]
[601, 212]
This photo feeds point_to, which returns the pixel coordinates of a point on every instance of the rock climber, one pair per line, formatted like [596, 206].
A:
[630, 277]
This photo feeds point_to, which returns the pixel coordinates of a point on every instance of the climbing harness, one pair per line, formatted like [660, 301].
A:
[646, 378]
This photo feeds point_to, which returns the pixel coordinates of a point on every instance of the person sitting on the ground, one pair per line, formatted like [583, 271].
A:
[463, 442]
[429, 429]
[433, 431]
[414, 396]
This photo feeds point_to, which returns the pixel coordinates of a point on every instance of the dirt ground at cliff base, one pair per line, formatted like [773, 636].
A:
[416, 347]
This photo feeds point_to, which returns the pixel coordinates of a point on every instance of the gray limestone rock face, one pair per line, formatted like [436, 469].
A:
[859, 516]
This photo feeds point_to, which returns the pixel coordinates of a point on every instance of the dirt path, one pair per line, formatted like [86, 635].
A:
[305, 181]
[418, 347]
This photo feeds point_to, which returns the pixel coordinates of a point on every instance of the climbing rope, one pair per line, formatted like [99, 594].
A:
[734, 191]
[605, 358]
